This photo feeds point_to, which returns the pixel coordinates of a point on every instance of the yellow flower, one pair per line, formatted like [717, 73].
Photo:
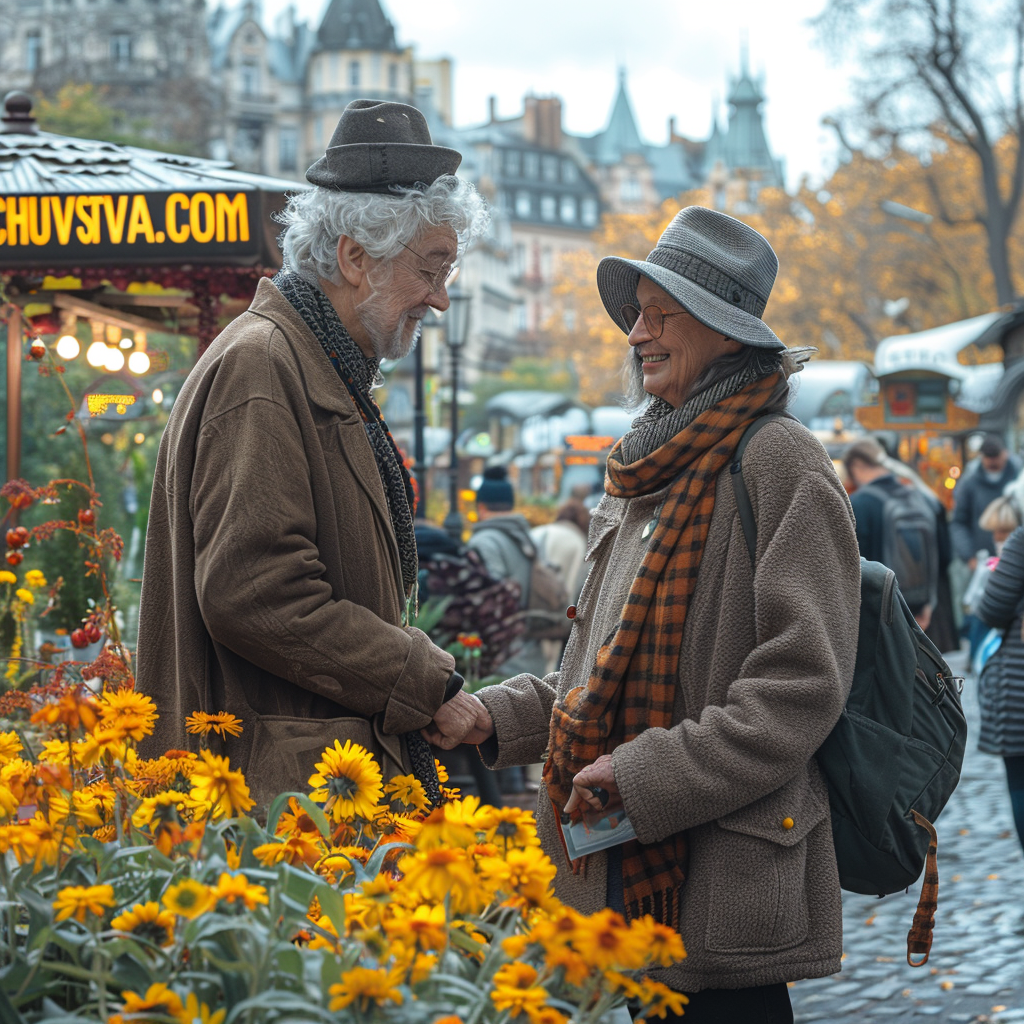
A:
[452, 824]
[295, 821]
[134, 713]
[202, 723]
[189, 898]
[236, 888]
[34, 579]
[606, 941]
[435, 874]
[296, 849]
[8, 803]
[103, 742]
[664, 945]
[510, 826]
[39, 841]
[514, 989]
[408, 790]
[660, 1000]
[525, 874]
[147, 921]
[197, 1011]
[347, 781]
[158, 997]
[78, 900]
[10, 746]
[425, 927]
[7, 577]
[162, 808]
[217, 787]
[365, 985]
[25, 596]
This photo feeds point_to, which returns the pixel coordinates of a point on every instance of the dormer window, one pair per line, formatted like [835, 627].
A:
[121, 48]
[250, 75]
[353, 74]
[33, 50]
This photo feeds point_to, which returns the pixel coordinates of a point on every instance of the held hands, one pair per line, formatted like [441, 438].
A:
[600, 777]
[463, 719]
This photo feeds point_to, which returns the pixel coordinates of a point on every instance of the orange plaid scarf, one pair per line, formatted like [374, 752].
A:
[633, 684]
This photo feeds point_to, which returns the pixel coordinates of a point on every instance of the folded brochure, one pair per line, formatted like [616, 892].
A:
[595, 831]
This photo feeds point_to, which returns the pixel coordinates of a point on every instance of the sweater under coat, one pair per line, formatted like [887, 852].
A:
[765, 668]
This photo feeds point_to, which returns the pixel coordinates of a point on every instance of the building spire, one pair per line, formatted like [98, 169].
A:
[621, 136]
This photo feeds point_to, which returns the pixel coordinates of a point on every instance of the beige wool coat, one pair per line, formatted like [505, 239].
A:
[272, 586]
[765, 668]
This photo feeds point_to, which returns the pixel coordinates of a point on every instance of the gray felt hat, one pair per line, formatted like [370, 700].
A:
[714, 266]
[378, 144]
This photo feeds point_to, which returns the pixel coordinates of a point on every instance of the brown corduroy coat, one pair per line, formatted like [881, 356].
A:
[272, 584]
[765, 668]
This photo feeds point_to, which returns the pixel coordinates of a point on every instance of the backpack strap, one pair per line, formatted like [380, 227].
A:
[743, 505]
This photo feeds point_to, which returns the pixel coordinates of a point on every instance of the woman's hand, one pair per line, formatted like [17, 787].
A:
[600, 777]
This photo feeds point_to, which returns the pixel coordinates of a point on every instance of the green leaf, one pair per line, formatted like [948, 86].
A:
[318, 816]
[279, 803]
[8, 1014]
[332, 903]
[282, 1002]
[373, 865]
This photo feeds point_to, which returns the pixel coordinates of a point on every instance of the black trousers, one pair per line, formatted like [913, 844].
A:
[766, 1004]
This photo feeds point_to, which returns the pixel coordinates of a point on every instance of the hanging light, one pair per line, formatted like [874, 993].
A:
[68, 347]
[125, 342]
[96, 354]
[138, 363]
[114, 360]
[158, 396]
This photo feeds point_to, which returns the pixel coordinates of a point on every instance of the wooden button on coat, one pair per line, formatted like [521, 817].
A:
[788, 823]
[570, 612]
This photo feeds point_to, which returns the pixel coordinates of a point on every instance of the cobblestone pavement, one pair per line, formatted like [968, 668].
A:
[976, 969]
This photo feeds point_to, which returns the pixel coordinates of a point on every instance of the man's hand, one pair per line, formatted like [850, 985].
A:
[599, 776]
[463, 719]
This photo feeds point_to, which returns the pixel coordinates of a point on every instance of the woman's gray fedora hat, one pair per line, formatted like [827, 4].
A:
[378, 145]
[718, 269]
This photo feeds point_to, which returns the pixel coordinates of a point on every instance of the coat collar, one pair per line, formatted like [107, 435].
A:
[323, 385]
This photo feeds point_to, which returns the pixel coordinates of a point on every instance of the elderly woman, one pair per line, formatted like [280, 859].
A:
[698, 683]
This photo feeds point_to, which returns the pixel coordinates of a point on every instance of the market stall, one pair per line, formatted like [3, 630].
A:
[127, 239]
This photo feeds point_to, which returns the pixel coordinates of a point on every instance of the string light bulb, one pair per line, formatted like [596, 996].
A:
[114, 360]
[138, 363]
[96, 354]
[68, 347]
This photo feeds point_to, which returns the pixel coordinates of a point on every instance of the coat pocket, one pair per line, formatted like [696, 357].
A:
[758, 900]
[285, 751]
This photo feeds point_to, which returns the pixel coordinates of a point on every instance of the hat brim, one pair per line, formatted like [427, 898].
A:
[354, 168]
[617, 279]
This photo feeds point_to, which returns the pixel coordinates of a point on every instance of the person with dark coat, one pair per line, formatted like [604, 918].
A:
[1001, 684]
[280, 555]
[976, 490]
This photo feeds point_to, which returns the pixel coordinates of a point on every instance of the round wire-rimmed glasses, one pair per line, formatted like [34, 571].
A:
[654, 318]
[438, 279]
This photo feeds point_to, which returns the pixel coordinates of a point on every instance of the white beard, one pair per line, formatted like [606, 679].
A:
[388, 343]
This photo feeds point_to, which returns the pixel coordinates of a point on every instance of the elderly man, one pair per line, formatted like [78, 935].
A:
[280, 559]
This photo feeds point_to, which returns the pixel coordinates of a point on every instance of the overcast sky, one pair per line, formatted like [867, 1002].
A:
[678, 55]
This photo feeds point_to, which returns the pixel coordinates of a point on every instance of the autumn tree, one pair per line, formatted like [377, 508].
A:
[850, 272]
[936, 72]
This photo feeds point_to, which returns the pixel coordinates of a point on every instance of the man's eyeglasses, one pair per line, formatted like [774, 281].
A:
[437, 279]
[654, 318]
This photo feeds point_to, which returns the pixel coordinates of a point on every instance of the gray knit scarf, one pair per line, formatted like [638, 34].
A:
[359, 374]
[660, 421]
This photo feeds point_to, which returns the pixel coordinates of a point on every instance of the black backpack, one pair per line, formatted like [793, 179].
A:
[893, 759]
[910, 542]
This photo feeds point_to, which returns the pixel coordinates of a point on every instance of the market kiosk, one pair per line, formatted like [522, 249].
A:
[127, 240]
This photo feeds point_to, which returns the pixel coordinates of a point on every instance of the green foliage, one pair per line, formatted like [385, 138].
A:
[79, 110]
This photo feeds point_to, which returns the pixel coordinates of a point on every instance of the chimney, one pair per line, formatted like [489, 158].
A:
[530, 126]
[671, 128]
[492, 109]
[549, 122]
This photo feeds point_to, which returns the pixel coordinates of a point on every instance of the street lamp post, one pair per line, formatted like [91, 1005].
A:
[419, 421]
[456, 330]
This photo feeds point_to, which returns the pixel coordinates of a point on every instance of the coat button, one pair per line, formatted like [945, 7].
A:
[570, 612]
[788, 823]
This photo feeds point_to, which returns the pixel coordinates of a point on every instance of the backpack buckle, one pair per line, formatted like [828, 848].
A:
[958, 681]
